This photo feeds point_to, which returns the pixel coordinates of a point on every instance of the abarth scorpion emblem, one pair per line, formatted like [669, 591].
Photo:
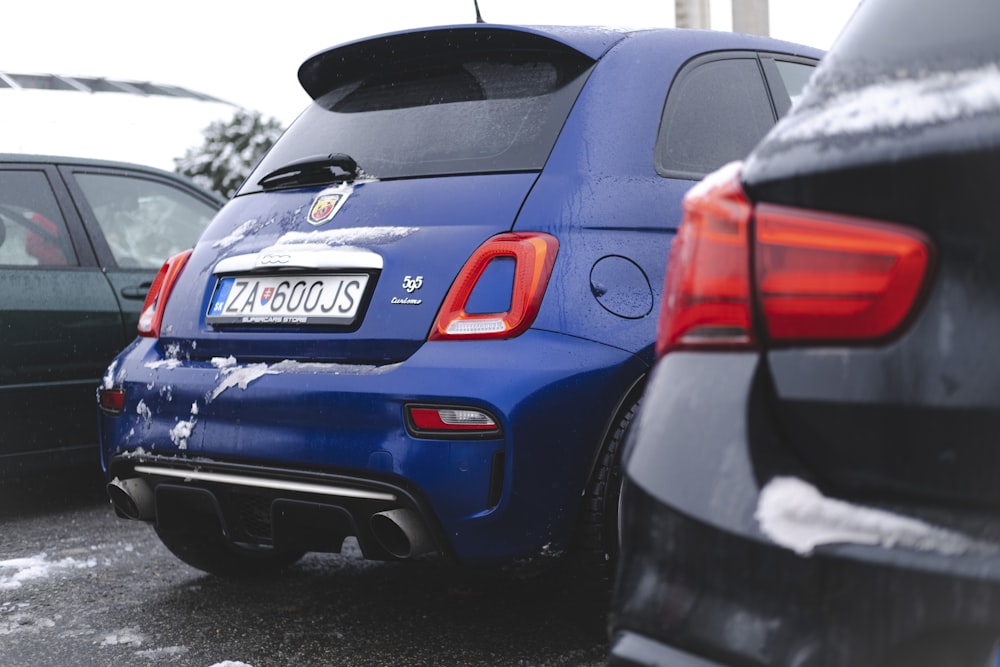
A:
[325, 206]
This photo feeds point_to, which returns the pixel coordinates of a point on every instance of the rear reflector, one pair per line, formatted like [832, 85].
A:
[112, 401]
[740, 273]
[156, 300]
[534, 254]
[424, 420]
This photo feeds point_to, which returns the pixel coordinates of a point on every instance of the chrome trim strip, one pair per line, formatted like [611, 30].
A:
[280, 485]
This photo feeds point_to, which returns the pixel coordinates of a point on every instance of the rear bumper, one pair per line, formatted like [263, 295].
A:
[700, 576]
[288, 510]
[489, 499]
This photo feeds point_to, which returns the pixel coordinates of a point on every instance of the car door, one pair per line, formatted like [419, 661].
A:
[137, 219]
[60, 322]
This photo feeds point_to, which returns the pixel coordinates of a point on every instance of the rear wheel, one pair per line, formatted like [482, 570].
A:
[598, 535]
[215, 555]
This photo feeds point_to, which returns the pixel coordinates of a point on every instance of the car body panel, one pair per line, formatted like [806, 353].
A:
[913, 417]
[425, 227]
[343, 420]
[52, 350]
[844, 580]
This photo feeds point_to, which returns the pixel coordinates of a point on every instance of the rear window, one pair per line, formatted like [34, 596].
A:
[485, 113]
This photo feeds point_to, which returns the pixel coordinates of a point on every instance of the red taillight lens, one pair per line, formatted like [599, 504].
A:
[827, 277]
[156, 300]
[451, 422]
[534, 255]
[112, 401]
[818, 277]
[706, 298]
[451, 419]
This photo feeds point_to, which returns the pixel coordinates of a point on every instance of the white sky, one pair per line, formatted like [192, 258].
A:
[248, 51]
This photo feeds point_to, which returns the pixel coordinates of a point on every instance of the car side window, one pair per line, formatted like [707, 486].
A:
[716, 112]
[32, 229]
[144, 221]
[794, 76]
[787, 78]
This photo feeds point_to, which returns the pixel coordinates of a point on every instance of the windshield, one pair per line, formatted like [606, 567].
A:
[481, 114]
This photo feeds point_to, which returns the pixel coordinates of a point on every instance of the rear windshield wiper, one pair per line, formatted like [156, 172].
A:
[332, 168]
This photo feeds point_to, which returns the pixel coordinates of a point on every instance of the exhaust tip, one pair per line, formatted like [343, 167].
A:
[132, 498]
[402, 533]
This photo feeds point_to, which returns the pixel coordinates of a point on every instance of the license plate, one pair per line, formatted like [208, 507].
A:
[285, 300]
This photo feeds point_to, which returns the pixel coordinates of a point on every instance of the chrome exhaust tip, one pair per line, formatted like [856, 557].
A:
[402, 533]
[132, 498]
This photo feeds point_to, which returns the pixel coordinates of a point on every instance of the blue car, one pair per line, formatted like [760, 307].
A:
[426, 318]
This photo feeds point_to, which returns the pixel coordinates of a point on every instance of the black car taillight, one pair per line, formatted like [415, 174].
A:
[519, 265]
[811, 276]
[706, 296]
[156, 299]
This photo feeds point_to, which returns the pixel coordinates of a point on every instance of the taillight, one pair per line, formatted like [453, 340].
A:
[532, 255]
[156, 300]
[111, 400]
[810, 276]
[706, 298]
[826, 277]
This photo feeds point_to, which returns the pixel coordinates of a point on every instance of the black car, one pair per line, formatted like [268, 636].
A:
[80, 243]
[813, 476]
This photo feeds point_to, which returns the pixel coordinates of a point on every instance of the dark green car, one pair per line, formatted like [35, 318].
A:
[80, 243]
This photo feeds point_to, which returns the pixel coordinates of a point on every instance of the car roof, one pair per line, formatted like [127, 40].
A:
[34, 158]
[31, 158]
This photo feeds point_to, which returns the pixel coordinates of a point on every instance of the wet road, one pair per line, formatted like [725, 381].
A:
[80, 587]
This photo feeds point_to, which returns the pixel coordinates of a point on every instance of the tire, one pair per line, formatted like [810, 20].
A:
[598, 534]
[213, 554]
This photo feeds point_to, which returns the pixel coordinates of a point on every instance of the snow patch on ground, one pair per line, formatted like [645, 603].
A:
[161, 653]
[14, 572]
[127, 636]
[21, 622]
[797, 516]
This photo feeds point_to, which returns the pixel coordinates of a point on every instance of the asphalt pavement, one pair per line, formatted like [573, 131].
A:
[80, 587]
